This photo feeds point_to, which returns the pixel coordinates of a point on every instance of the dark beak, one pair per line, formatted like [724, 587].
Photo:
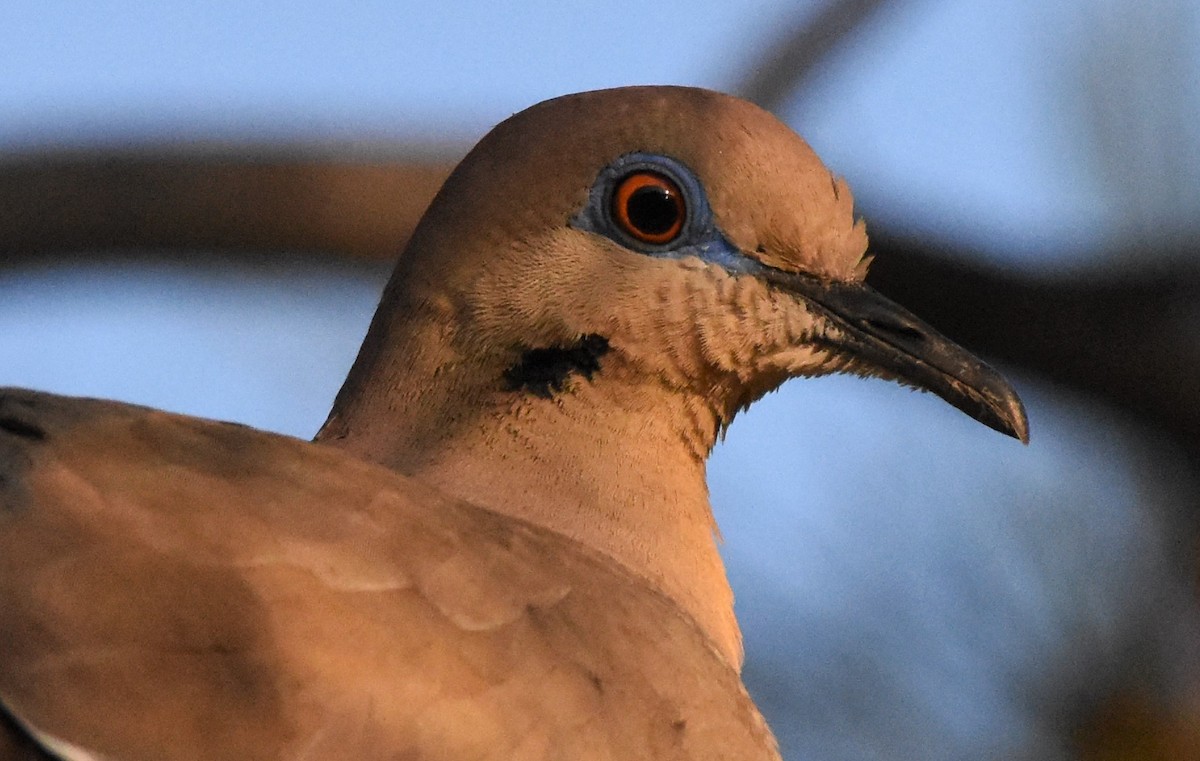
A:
[871, 329]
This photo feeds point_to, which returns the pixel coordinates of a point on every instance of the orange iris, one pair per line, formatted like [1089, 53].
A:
[649, 207]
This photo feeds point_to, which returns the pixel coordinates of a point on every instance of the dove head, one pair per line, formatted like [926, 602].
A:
[662, 237]
[740, 173]
[601, 284]
[633, 217]
[625, 222]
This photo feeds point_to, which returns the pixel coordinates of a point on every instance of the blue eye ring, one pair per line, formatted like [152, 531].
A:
[601, 215]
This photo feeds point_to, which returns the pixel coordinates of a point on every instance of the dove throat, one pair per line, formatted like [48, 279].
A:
[570, 437]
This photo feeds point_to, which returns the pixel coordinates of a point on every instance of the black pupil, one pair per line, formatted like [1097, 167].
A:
[652, 210]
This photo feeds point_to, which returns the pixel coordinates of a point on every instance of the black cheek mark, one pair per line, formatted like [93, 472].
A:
[22, 428]
[544, 372]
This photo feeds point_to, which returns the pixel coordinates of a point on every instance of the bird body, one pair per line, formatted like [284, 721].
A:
[218, 612]
[500, 545]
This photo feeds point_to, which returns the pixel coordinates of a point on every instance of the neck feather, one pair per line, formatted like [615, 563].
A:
[610, 460]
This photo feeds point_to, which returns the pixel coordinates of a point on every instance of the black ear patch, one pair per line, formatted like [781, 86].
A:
[544, 371]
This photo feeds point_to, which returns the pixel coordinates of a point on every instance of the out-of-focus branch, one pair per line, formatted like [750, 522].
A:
[1124, 336]
[282, 200]
[139, 200]
[797, 56]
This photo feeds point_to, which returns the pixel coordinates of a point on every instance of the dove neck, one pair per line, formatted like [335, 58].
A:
[615, 463]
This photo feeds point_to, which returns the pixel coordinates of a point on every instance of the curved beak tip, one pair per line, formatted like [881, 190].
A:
[881, 334]
[1018, 421]
[1009, 417]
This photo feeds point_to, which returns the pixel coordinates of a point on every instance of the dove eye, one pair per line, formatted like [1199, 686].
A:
[649, 207]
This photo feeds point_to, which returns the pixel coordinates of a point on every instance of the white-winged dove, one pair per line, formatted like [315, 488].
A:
[500, 545]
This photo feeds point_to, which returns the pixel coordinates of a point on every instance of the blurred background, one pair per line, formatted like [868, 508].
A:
[199, 203]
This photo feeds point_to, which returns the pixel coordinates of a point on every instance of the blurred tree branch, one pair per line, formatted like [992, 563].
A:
[1121, 336]
[795, 58]
[253, 201]
[275, 198]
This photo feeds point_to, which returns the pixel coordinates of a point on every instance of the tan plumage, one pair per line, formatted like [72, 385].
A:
[183, 589]
[542, 581]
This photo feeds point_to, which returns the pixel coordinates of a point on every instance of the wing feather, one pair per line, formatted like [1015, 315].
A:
[172, 588]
